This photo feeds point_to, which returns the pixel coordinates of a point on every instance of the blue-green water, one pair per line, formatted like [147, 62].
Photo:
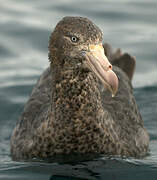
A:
[25, 27]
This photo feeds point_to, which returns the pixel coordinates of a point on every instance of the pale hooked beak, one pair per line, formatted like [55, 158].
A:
[100, 65]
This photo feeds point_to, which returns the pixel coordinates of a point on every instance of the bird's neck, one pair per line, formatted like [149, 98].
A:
[76, 98]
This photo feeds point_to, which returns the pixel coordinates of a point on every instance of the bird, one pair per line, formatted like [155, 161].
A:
[83, 102]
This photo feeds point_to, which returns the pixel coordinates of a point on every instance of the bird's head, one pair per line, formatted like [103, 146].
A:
[77, 42]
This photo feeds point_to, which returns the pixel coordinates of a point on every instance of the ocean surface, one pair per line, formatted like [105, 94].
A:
[25, 27]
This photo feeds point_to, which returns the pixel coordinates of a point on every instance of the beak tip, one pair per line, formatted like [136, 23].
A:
[113, 83]
[114, 93]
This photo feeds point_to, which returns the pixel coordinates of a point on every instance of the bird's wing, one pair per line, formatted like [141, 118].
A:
[39, 102]
[128, 123]
[125, 61]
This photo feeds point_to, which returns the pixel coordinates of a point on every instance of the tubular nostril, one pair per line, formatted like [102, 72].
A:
[110, 67]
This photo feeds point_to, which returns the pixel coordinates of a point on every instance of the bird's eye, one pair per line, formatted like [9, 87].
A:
[74, 39]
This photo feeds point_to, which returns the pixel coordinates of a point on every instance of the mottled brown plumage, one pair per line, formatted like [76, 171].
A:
[71, 111]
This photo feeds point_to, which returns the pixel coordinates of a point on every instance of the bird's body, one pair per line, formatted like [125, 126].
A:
[70, 109]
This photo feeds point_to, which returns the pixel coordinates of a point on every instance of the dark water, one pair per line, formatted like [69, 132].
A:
[25, 27]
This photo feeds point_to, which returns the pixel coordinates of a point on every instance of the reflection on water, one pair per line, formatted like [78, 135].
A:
[25, 27]
[101, 168]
